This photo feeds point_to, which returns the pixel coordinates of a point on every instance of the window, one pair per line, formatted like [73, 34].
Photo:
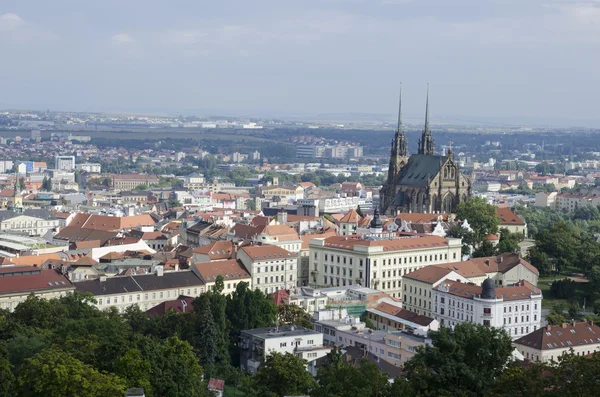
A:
[100, 302]
[283, 344]
[487, 310]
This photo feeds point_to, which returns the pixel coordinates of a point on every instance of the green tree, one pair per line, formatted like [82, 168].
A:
[207, 335]
[462, 361]
[22, 185]
[294, 314]
[135, 370]
[540, 260]
[509, 242]
[339, 378]
[556, 316]
[561, 243]
[284, 375]
[359, 211]
[481, 216]
[219, 284]
[54, 373]
[485, 249]
[140, 188]
[8, 386]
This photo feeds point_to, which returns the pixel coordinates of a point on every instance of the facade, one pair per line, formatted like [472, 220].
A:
[423, 182]
[130, 181]
[511, 221]
[389, 317]
[146, 290]
[65, 163]
[331, 205]
[377, 263]
[18, 282]
[546, 199]
[309, 299]
[504, 269]
[550, 342]
[281, 236]
[516, 308]
[257, 344]
[569, 202]
[32, 222]
[92, 168]
[272, 268]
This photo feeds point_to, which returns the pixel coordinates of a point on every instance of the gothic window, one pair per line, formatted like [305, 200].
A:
[447, 203]
[445, 172]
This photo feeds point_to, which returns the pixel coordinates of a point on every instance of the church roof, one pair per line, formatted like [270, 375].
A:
[419, 168]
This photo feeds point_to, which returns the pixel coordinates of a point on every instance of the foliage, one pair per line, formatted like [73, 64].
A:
[22, 186]
[509, 242]
[563, 289]
[461, 361]
[283, 375]
[482, 218]
[368, 323]
[556, 315]
[294, 314]
[46, 184]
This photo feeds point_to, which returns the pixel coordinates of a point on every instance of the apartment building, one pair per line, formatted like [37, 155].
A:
[377, 263]
[272, 268]
[146, 291]
[515, 308]
[550, 342]
[256, 344]
[92, 168]
[18, 282]
[130, 181]
[504, 269]
[389, 317]
[65, 163]
[569, 202]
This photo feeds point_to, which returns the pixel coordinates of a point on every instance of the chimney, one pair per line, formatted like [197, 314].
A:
[549, 327]
[487, 262]
[563, 325]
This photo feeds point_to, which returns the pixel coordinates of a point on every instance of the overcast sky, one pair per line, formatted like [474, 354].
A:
[483, 58]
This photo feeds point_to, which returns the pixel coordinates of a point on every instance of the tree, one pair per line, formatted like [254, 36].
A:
[359, 211]
[461, 361]
[284, 375]
[561, 243]
[207, 335]
[219, 284]
[135, 370]
[485, 249]
[22, 185]
[481, 216]
[509, 242]
[294, 314]
[540, 260]
[54, 373]
[140, 188]
[563, 289]
[556, 315]
[175, 371]
[339, 378]
[8, 385]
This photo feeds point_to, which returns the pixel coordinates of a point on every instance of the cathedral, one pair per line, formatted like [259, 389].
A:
[422, 182]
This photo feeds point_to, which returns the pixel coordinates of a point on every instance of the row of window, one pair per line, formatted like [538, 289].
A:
[154, 295]
[389, 262]
[273, 268]
[277, 279]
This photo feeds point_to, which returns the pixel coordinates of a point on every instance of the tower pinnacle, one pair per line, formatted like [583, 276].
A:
[426, 144]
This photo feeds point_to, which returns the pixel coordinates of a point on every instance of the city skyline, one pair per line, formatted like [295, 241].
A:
[485, 60]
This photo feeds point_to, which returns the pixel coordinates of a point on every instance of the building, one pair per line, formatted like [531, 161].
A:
[272, 268]
[511, 221]
[232, 271]
[569, 202]
[331, 205]
[515, 308]
[65, 163]
[130, 181]
[550, 342]
[256, 344]
[280, 235]
[546, 199]
[18, 282]
[423, 182]
[146, 291]
[389, 317]
[377, 263]
[31, 222]
[504, 269]
[216, 386]
[92, 168]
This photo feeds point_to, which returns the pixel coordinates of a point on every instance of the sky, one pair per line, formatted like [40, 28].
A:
[499, 59]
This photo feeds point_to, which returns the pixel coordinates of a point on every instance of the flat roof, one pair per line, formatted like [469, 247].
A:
[276, 332]
[14, 246]
[18, 239]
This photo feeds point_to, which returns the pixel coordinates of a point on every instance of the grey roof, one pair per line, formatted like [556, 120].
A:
[284, 330]
[419, 168]
[33, 212]
[141, 283]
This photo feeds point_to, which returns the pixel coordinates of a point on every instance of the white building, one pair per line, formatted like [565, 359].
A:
[146, 291]
[92, 168]
[257, 344]
[550, 342]
[32, 222]
[272, 268]
[65, 163]
[377, 263]
[516, 308]
[334, 204]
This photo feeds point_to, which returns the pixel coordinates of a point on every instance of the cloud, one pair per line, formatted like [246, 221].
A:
[10, 21]
[122, 38]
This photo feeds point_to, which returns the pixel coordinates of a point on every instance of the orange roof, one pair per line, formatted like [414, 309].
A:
[397, 244]
[217, 250]
[282, 232]
[29, 260]
[492, 237]
[428, 274]
[230, 270]
[267, 252]
[519, 291]
[351, 217]
[509, 217]
[307, 237]
[416, 217]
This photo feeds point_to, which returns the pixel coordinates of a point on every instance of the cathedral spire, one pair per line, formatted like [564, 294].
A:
[426, 145]
[400, 140]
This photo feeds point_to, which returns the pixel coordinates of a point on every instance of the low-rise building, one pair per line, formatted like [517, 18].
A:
[511, 221]
[18, 282]
[130, 181]
[146, 290]
[232, 271]
[550, 342]
[387, 317]
[256, 344]
[515, 308]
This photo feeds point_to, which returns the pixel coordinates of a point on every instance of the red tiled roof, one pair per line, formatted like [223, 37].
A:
[230, 270]
[217, 250]
[403, 243]
[39, 280]
[562, 336]
[175, 304]
[216, 384]
[279, 296]
[509, 217]
[521, 290]
[351, 217]
[403, 314]
[257, 252]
